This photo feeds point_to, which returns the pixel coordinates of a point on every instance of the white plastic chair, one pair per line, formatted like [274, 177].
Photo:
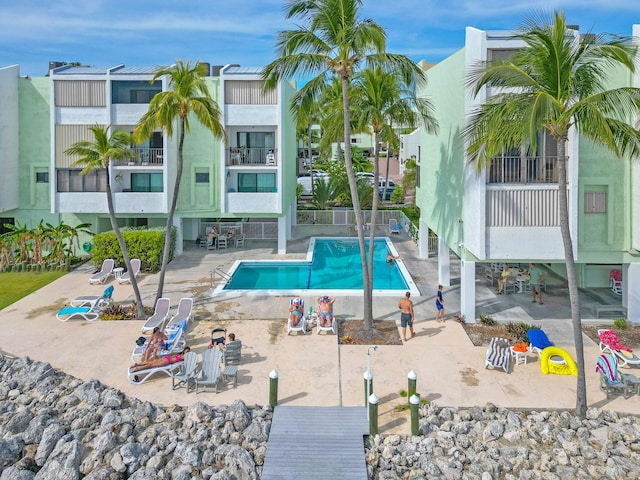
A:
[302, 324]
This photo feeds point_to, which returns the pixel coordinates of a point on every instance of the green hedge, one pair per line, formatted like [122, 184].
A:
[147, 245]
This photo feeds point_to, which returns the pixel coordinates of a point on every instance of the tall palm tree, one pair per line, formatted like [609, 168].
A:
[382, 99]
[187, 95]
[334, 41]
[95, 155]
[556, 82]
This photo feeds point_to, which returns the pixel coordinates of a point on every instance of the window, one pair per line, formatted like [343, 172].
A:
[595, 202]
[418, 176]
[202, 177]
[138, 91]
[42, 177]
[501, 54]
[146, 182]
[256, 182]
[4, 221]
[72, 181]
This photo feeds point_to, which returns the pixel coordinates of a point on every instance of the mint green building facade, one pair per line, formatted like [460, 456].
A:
[508, 212]
[249, 180]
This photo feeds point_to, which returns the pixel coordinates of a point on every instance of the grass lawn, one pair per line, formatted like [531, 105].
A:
[15, 285]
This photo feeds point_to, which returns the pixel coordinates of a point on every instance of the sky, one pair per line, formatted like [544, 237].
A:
[105, 33]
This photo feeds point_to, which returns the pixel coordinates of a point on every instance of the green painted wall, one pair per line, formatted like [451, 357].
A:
[441, 189]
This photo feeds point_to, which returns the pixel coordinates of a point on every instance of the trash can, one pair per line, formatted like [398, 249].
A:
[86, 246]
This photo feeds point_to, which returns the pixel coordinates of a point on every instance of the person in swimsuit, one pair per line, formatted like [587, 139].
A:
[391, 257]
[295, 313]
[155, 343]
[159, 362]
[325, 311]
[406, 315]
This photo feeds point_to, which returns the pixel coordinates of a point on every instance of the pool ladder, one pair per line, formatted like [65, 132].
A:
[226, 278]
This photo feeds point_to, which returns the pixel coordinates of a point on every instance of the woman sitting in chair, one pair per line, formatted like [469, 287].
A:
[159, 362]
[155, 342]
[295, 313]
[503, 278]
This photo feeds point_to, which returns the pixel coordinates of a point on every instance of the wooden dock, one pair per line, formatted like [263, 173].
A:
[316, 443]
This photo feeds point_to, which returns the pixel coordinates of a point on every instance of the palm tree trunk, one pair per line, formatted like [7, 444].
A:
[123, 248]
[310, 158]
[374, 203]
[366, 279]
[174, 203]
[581, 389]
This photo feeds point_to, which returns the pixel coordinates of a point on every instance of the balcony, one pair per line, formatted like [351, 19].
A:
[145, 156]
[252, 156]
[523, 169]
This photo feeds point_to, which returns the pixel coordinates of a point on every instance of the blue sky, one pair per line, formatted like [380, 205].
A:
[144, 33]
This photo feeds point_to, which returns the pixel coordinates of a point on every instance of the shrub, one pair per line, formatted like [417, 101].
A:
[115, 311]
[147, 245]
[620, 323]
[518, 331]
[486, 319]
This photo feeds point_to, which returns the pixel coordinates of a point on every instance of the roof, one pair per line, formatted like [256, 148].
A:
[116, 70]
[238, 70]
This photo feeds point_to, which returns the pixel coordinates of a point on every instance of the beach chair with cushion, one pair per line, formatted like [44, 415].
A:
[91, 300]
[105, 272]
[175, 343]
[393, 226]
[615, 281]
[135, 267]
[160, 315]
[232, 354]
[210, 373]
[185, 312]
[186, 374]
[538, 340]
[610, 342]
[302, 324]
[141, 376]
[80, 313]
[498, 354]
[610, 379]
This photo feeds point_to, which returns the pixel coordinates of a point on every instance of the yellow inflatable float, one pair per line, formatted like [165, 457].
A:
[567, 367]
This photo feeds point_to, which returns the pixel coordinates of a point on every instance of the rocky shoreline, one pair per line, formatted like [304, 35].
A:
[54, 426]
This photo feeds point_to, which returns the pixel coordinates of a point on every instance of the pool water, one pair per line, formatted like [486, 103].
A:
[333, 264]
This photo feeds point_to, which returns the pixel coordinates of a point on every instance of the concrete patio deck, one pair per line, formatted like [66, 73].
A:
[313, 369]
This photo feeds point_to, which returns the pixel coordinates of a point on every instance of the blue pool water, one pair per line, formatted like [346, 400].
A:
[334, 265]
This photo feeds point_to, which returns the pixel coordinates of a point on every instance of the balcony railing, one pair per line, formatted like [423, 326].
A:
[144, 156]
[259, 156]
[523, 170]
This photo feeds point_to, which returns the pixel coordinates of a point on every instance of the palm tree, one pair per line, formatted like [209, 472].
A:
[187, 95]
[98, 154]
[554, 83]
[334, 41]
[380, 100]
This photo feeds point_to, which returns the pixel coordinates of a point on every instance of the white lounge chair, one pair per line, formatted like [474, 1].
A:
[185, 312]
[160, 315]
[211, 373]
[135, 267]
[92, 300]
[175, 343]
[610, 342]
[393, 226]
[187, 372]
[105, 272]
[142, 376]
[302, 324]
[85, 313]
[498, 354]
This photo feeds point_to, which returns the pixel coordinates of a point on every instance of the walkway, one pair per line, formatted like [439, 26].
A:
[316, 443]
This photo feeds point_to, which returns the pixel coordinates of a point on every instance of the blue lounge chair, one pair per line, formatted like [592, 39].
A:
[538, 340]
[86, 313]
[92, 300]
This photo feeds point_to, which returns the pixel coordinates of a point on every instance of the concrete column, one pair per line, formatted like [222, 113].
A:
[177, 222]
[444, 264]
[468, 290]
[423, 239]
[282, 235]
[631, 285]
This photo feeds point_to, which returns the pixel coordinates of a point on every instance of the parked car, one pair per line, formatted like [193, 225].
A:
[304, 179]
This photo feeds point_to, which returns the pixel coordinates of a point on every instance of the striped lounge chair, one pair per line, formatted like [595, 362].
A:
[498, 354]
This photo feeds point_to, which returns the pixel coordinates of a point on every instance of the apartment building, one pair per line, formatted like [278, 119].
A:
[508, 212]
[250, 179]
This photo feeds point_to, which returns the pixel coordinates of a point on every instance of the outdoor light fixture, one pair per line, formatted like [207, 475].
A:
[368, 373]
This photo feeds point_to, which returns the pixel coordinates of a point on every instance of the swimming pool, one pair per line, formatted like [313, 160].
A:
[332, 267]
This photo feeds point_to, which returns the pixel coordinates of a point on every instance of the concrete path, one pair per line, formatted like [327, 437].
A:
[314, 370]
